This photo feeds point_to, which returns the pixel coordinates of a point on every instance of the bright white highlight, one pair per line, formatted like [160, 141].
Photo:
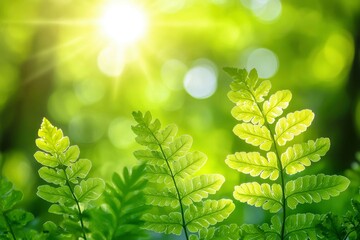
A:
[123, 23]
[201, 80]
[265, 62]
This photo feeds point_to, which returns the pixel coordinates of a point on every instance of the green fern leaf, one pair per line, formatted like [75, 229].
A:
[254, 164]
[169, 224]
[70, 155]
[292, 125]
[189, 164]
[46, 159]
[162, 198]
[274, 107]
[150, 157]
[51, 175]
[207, 213]
[178, 148]
[89, 189]
[255, 232]
[157, 174]
[51, 139]
[55, 195]
[224, 232]
[299, 156]
[79, 169]
[8, 195]
[314, 188]
[265, 196]
[167, 135]
[302, 226]
[254, 134]
[262, 91]
[248, 113]
[199, 187]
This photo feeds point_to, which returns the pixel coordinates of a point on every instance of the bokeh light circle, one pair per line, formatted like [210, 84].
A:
[264, 60]
[201, 80]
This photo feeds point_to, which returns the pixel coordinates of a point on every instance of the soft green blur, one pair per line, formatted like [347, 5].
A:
[56, 62]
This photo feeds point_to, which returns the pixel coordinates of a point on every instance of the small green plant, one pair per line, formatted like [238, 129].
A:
[347, 227]
[261, 128]
[124, 199]
[70, 191]
[13, 221]
[176, 196]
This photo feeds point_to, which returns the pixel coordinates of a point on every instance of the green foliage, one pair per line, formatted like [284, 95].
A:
[70, 192]
[13, 221]
[347, 227]
[179, 199]
[263, 125]
[120, 216]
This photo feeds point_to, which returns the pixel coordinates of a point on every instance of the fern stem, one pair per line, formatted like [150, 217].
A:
[282, 178]
[9, 226]
[176, 187]
[78, 207]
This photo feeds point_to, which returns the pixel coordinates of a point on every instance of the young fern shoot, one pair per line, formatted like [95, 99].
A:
[178, 197]
[263, 126]
[70, 192]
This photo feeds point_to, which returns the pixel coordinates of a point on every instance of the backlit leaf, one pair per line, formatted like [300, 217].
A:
[60, 195]
[277, 102]
[269, 197]
[79, 169]
[207, 213]
[292, 125]
[301, 226]
[189, 164]
[170, 223]
[248, 113]
[51, 175]
[254, 134]
[199, 187]
[89, 189]
[314, 188]
[299, 156]
[254, 164]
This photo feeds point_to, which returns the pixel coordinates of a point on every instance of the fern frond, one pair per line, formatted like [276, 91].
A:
[255, 135]
[124, 200]
[170, 166]
[207, 213]
[299, 156]
[314, 188]
[224, 232]
[302, 226]
[262, 125]
[254, 164]
[269, 197]
[292, 125]
[63, 169]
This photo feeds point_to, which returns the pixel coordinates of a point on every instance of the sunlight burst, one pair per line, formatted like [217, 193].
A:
[123, 23]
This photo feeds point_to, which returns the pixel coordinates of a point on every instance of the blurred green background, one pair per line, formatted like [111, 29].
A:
[64, 60]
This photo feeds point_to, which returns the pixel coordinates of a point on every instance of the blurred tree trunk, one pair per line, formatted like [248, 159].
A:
[350, 143]
[22, 115]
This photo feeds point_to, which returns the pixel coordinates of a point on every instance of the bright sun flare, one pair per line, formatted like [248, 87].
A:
[123, 23]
